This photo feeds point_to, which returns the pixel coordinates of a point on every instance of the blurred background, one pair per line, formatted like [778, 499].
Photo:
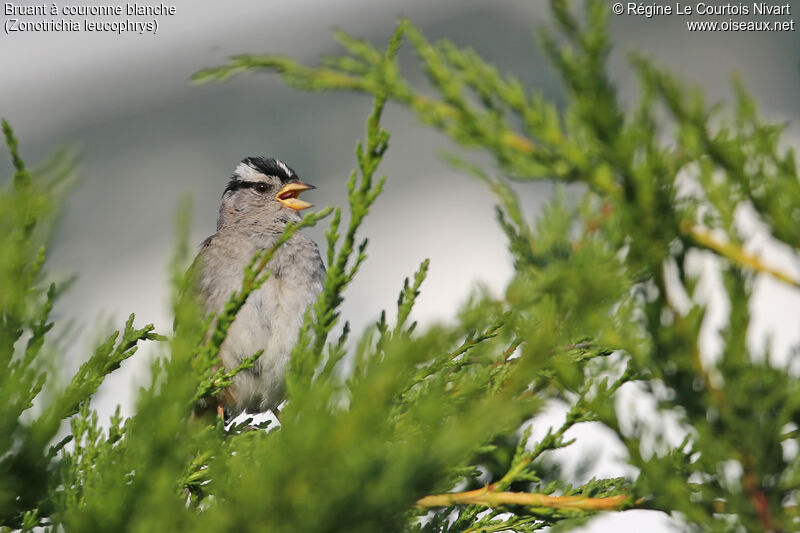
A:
[148, 136]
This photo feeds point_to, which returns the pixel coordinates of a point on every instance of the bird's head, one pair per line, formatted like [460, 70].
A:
[264, 187]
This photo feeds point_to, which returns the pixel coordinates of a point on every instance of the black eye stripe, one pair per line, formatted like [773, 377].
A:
[235, 185]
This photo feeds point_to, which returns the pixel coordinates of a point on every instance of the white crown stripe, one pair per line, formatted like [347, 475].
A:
[247, 173]
[284, 167]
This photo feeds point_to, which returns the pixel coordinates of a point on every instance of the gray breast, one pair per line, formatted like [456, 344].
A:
[269, 320]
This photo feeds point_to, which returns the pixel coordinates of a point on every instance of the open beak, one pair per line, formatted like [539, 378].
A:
[288, 195]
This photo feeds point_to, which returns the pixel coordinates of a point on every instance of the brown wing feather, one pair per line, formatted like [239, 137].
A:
[206, 407]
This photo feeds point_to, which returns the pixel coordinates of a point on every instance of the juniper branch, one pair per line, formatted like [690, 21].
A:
[342, 267]
[489, 498]
[21, 175]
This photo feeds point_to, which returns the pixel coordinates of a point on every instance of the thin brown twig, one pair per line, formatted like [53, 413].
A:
[734, 253]
[488, 498]
[756, 494]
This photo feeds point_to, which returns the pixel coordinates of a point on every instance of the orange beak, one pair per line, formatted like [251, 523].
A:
[288, 195]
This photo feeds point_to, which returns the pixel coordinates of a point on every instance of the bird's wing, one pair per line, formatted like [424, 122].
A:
[193, 272]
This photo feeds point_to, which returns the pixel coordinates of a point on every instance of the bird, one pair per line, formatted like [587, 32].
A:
[259, 200]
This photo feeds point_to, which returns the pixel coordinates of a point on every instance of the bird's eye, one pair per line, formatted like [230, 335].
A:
[261, 187]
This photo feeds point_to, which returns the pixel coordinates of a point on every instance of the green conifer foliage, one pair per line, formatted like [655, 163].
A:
[429, 427]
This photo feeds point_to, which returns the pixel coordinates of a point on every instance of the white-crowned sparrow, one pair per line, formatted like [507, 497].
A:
[261, 197]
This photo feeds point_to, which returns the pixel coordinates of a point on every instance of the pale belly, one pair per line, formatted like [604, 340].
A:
[270, 320]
